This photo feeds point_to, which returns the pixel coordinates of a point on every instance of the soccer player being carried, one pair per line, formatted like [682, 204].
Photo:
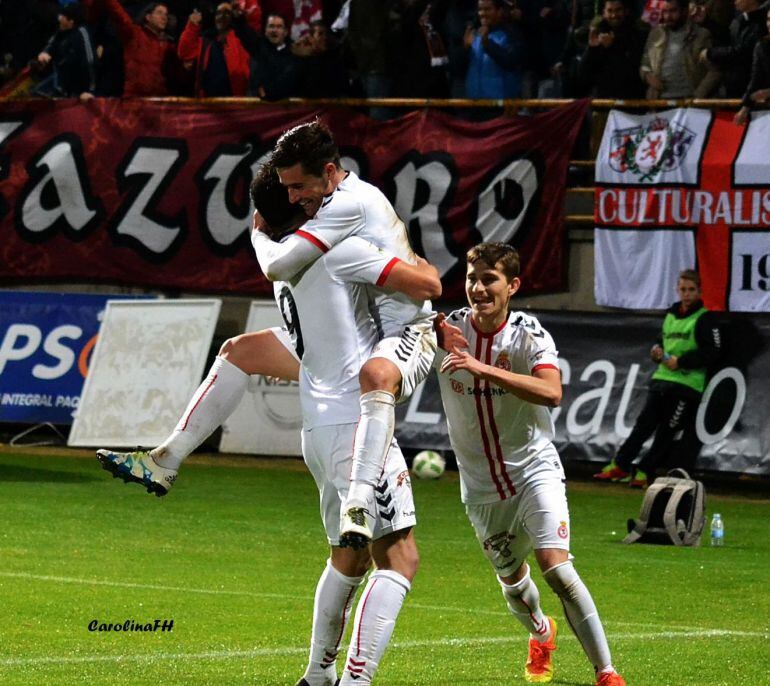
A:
[496, 396]
[325, 352]
[338, 204]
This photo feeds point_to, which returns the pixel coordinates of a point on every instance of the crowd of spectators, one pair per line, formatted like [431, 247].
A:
[273, 49]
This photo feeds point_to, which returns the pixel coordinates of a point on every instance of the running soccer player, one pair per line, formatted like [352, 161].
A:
[339, 204]
[496, 397]
[332, 343]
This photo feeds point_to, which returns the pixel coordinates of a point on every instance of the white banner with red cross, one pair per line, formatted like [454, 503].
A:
[683, 189]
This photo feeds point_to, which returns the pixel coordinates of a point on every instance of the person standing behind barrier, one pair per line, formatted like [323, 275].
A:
[222, 57]
[276, 71]
[734, 60]
[496, 65]
[610, 64]
[151, 65]
[70, 52]
[418, 54]
[670, 63]
[322, 71]
[758, 91]
[689, 344]
[703, 13]
[368, 39]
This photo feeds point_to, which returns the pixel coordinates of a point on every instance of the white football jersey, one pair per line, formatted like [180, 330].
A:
[328, 318]
[500, 440]
[357, 208]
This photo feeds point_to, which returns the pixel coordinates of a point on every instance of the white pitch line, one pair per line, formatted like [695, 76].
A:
[398, 645]
[257, 594]
[210, 591]
[148, 587]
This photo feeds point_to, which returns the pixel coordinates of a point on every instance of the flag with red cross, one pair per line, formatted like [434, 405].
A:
[683, 189]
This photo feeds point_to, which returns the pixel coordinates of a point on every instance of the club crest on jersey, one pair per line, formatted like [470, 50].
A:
[500, 543]
[562, 531]
[647, 150]
[503, 362]
[457, 387]
[403, 478]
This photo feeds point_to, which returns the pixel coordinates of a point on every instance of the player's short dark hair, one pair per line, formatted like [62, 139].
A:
[690, 275]
[310, 144]
[271, 200]
[683, 5]
[500, 255]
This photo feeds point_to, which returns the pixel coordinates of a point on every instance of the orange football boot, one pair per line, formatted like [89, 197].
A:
[539, 667]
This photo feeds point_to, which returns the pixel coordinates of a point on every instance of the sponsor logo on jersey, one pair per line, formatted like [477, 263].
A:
[562, 531]
[486, 392]
[503, 362]
[457, 387]
[500, 543]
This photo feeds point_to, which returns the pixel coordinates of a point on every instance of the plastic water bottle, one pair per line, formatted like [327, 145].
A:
[717, 530]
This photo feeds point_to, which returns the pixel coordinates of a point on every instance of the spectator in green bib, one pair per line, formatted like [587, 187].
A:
[689, 344]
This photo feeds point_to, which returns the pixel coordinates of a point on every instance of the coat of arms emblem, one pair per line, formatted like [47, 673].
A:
[651, 149]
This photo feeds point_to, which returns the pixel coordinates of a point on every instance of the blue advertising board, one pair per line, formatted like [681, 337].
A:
[46, 340]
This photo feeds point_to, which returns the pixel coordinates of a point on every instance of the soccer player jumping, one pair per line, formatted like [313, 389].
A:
[331, 299]
[496, 396]
[338, 205]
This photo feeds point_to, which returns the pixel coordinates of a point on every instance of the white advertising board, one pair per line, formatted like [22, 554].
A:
[147, 362]
[268, 420]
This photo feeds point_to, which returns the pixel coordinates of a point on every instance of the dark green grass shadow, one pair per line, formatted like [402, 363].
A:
[10, 473]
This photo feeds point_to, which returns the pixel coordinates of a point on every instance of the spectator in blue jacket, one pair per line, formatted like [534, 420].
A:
[496, 53]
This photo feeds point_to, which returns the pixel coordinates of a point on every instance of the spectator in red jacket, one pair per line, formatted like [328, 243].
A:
[151, 65]
[223, 56]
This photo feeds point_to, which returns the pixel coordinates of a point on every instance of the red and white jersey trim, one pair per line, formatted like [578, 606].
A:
[385, 272]
[317, 242]
[544, 366]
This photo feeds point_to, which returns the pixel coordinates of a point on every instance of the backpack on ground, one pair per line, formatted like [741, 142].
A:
[673, 511]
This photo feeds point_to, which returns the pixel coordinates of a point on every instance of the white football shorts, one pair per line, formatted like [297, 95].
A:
[328, 453]
[536, 517]
[412, 353]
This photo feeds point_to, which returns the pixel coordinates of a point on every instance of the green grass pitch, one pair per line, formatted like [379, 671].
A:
[233, 553]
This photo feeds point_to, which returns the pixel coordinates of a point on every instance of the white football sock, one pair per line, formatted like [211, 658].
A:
[581, 613]
[370, 446]
[376, 615]
[213, 402]
[333, 601]
[523, 600]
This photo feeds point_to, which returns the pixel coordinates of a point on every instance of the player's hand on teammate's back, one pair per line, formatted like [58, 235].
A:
[423, 264]
[258, 223]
